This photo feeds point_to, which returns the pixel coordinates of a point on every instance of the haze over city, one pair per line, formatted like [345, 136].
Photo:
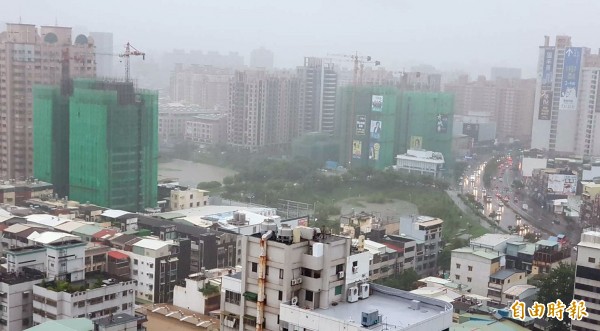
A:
[470, 36]
[363, 165]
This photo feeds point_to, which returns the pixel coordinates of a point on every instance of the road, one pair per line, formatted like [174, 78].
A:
[535, 219]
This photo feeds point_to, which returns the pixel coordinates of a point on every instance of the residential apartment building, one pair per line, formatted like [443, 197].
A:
[16, 299]
[13, 192]
[427, 231]
[508, 103]
[201, 292]
[47, 281]
[501, 281]
[549, 255]
[298, 278]
[383, 308]
[261, 58]
[261, 110]
[318, 87]
[101, 298]
[494, 241]
[566, 104]
[207, 87]
[157, 266]
[472, 267]
[505, 73]
[207, 129]
[172, 118]
[587, 279]
[30, 56]
[590, 204]
[190, 198]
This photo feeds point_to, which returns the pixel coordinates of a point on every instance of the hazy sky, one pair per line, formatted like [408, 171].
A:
[470, 35]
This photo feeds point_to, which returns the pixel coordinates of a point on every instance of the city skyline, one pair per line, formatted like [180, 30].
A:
[487, 35]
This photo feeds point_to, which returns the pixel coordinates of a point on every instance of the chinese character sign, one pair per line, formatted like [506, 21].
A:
[361, 125]
[570, 80]
[557, 309]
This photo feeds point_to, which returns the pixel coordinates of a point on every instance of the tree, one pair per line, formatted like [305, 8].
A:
[404, 281]
[558, 284]
[208, 185]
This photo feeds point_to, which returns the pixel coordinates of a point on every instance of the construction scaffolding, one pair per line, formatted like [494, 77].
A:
[111, 148]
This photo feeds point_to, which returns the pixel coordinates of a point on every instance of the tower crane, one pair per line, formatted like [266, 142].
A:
[129, 52]
[359, 62]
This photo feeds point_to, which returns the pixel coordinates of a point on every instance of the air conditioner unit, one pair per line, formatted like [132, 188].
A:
[299, 281]
[294, 282]
[354, 269]
[340, 275]
[364, 290]
[352, 294]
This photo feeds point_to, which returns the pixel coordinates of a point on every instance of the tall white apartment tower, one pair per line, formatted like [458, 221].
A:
[31, 56]
[566, 104]
[587, 279]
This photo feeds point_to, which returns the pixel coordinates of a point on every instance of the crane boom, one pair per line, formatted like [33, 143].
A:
[129, 52]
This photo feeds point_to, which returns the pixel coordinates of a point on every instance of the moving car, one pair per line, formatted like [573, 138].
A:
[525, 207]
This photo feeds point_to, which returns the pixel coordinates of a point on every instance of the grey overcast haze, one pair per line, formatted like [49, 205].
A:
[468, 35]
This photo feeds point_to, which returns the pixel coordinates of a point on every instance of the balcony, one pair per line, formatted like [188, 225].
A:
[495, 286]
[312, 262]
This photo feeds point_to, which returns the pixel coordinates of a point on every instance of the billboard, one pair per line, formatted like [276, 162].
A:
[374, 151]
[562, 184]
[471, 130]
[361, 125]
[377, 103]
[356, 149]
[375, 130]
[570, 80]
[545, 107]
[442, 123]
[416, 142]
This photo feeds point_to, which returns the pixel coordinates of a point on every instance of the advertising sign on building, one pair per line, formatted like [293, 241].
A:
[356, 149]
[374, 151]
[375, 130]
[471, 130]
[416, 142]
[442, 123]
[545, 107]
[377, 103]
[570, 80]
[361, 125]
[562, 184]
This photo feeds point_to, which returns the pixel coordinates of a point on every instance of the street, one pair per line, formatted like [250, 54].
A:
[510, 214]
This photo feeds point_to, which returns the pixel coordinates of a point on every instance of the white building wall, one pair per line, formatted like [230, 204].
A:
[143, 273]
[588, 256]
[16, 305]
[189, 296]
[302, 319]
[479, 276]
[361, 272]
[68, 259]
[90, 304]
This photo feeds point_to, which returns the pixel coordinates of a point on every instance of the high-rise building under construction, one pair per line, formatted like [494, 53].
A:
[30, 56]
[98, 144]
